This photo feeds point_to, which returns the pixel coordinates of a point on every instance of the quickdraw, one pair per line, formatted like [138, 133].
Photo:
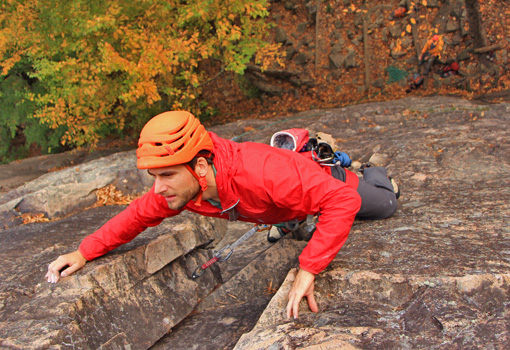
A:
[224, 253]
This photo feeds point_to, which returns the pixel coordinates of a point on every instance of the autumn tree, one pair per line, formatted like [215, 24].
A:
[86, 68]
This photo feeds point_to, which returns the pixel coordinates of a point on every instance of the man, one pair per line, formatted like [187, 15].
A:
[198, 171]
[431, 51]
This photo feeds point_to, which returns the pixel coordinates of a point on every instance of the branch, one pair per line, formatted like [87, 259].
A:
[488, 48]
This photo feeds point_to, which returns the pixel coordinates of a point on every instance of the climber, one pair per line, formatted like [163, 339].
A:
[450, 69]
[400, 12]
[198, 171]
[373, 186]
[431, 52]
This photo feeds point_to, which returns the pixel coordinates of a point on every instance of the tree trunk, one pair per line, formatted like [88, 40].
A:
[414, 27]
[476, 28]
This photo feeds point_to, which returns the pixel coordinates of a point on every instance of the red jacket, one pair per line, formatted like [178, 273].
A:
[256, 183]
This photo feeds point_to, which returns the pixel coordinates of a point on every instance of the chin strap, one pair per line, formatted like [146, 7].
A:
[203, 185]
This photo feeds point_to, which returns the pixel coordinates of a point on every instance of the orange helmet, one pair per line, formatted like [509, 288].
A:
[171, 138]
[435, 37]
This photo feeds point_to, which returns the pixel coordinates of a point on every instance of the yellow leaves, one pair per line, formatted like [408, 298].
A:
[413, 21]
[194, 80]
[408, 28]
[235, 33]
[10, 62]
[117, 34]
[268, 55]
[110, 195]
[139, 89]
[205, 51]
[189, 15]
[398, 46]
[120, 57]
[255, 9]
[29, 218]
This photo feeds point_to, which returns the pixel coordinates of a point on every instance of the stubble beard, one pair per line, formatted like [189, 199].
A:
[180, 202]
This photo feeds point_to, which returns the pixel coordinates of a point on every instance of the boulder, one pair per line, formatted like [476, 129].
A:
[363, 309]
[130, 297]
[236, 305]
[336, 60]
[281, 35]
[351, 58]
[60, 193]
[395, 30]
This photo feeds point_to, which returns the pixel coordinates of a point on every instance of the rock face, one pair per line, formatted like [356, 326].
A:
[132, 296]
[367, 310]
[435, 275]
[57, 194]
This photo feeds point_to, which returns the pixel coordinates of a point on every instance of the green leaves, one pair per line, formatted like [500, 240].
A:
[105, 65]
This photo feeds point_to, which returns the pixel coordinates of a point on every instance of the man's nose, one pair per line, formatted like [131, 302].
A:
[159, 186]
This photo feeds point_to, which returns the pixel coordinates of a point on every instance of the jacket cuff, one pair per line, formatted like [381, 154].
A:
[308, 269]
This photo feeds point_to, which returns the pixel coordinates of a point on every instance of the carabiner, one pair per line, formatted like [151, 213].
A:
[218, 254]
[198, 272]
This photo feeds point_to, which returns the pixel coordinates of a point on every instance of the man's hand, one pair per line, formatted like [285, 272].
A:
[74, 261]
[302, 287]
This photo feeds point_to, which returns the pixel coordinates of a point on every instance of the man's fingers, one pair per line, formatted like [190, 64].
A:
[57, 266]
[312, 304]
[289, 307]
[65, 265]
[53, 274]
[295, 308]
[53, 277]
[70, 270]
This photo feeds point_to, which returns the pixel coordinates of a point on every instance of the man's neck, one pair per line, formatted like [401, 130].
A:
[212, 189]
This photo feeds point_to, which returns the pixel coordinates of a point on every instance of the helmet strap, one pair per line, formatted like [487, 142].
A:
[201, 181]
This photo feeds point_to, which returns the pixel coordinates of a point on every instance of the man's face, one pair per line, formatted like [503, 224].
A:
[176, 184]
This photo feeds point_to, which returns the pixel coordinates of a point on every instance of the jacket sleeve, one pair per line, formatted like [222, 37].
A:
[146, 211]
[439, 48]
[425, 47]
[299, 184]
[338, 205]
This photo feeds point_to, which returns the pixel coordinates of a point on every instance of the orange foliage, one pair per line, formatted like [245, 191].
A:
[112, 63]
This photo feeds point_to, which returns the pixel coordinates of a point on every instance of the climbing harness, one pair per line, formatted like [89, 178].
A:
[228, 250]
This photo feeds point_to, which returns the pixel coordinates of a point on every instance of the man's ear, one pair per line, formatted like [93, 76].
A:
[201, 167]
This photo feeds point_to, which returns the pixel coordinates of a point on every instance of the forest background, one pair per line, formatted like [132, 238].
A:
[77, 73]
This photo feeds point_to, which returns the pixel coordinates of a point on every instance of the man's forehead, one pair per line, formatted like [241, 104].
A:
[165, 170]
